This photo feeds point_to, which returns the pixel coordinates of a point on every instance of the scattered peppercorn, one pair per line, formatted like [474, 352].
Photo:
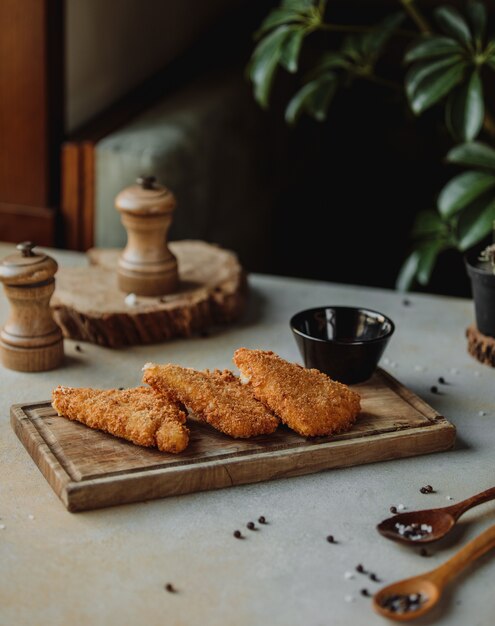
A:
[374, 578]
[365, 592]
[78, 348]
[360, 569]
[121, 388]
[237, 534]
[441, 380]
[406, 302]
[434, 389]
[250, 525]
[393, 510]
[427, 489]
[262, 519]
[330, 539]
[170, 588]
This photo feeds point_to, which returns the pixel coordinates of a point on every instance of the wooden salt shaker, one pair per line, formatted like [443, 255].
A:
[30, 341]
[146, 266]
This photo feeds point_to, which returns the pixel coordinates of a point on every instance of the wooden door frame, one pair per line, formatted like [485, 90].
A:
[31, 118]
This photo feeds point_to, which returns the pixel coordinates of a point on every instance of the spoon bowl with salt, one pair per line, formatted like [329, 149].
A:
[419, 527]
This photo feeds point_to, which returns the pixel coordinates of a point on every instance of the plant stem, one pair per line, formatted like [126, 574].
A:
[378, 80]
[345, 28]
[353, 28]
[417, 17]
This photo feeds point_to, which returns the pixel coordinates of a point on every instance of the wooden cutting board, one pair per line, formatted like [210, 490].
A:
[88, 469]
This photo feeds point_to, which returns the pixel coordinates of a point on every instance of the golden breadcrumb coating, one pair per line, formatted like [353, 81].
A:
[216, 397]
[139, 415]
[307, 400]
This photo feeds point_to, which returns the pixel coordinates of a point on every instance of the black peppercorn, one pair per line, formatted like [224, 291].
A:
[250, 525]
[237, 534]
[262, 519]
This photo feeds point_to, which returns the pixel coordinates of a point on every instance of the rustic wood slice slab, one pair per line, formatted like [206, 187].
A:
[480, 346]
[89, 469]
[89, 306]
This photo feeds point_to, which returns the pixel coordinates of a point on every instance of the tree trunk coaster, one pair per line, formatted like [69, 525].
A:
[88, 305]
[480, 346]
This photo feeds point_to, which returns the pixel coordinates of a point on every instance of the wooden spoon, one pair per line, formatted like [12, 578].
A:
[431, 584]
[441, 520]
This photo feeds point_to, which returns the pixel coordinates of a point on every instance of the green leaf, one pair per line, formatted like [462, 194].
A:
[302, 6]
[476, 221]
[421, 71]
[314, 98]
[452, 23]
[278, 17]
[428, 254]
[462, 190]
[428, 223]
[434, 87]
[491, 62]
[373, 42]
[264, 62]
[432, 47]
[330, 61]
[476, 12]
[465, 109]
[473, 154]
[289, 55]
[407, 273]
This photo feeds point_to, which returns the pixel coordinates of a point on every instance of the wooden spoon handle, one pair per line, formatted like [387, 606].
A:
[472, 551]
[461, 507]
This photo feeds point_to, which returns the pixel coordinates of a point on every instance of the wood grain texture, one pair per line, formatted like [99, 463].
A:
[480, 346]
[19, 223]
[31, 109]
[88, 469]
[89, 306]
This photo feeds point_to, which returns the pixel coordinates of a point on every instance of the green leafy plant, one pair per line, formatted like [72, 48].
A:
[448, 59]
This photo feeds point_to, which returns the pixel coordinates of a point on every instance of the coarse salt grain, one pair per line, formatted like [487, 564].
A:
[449, 498]
[349, 598]
[482, 413]
[454, 370]
[476, 374]
[386, 360]
[2, 526]
[348, 575]
[419, 368]
[401, 507]
[131, 299]
[30, 516]
[393, 364]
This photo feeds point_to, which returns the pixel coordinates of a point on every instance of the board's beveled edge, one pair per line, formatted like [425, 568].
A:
[37, 448]
[174, 481]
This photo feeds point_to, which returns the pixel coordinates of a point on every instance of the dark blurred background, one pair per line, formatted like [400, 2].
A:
[95, 92]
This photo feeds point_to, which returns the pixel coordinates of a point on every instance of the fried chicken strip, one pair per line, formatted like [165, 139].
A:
[306, 400]
[217, 398]
[139, 415]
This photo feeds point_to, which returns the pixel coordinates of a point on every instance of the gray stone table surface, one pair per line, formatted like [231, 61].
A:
[110, 566]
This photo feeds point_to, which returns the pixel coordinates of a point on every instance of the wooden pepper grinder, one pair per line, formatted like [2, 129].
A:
[30, 341]
[146, 266]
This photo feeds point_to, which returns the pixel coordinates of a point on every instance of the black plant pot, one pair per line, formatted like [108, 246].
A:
[483, 286]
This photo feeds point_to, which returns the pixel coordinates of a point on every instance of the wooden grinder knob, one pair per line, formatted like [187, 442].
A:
[30, 340]
[146, 266]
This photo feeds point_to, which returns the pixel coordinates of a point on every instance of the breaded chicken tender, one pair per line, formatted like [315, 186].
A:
[217, 398]
[306, 400]
[139, 415]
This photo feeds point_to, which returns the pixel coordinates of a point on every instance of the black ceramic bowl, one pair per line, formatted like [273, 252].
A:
[344, 342]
